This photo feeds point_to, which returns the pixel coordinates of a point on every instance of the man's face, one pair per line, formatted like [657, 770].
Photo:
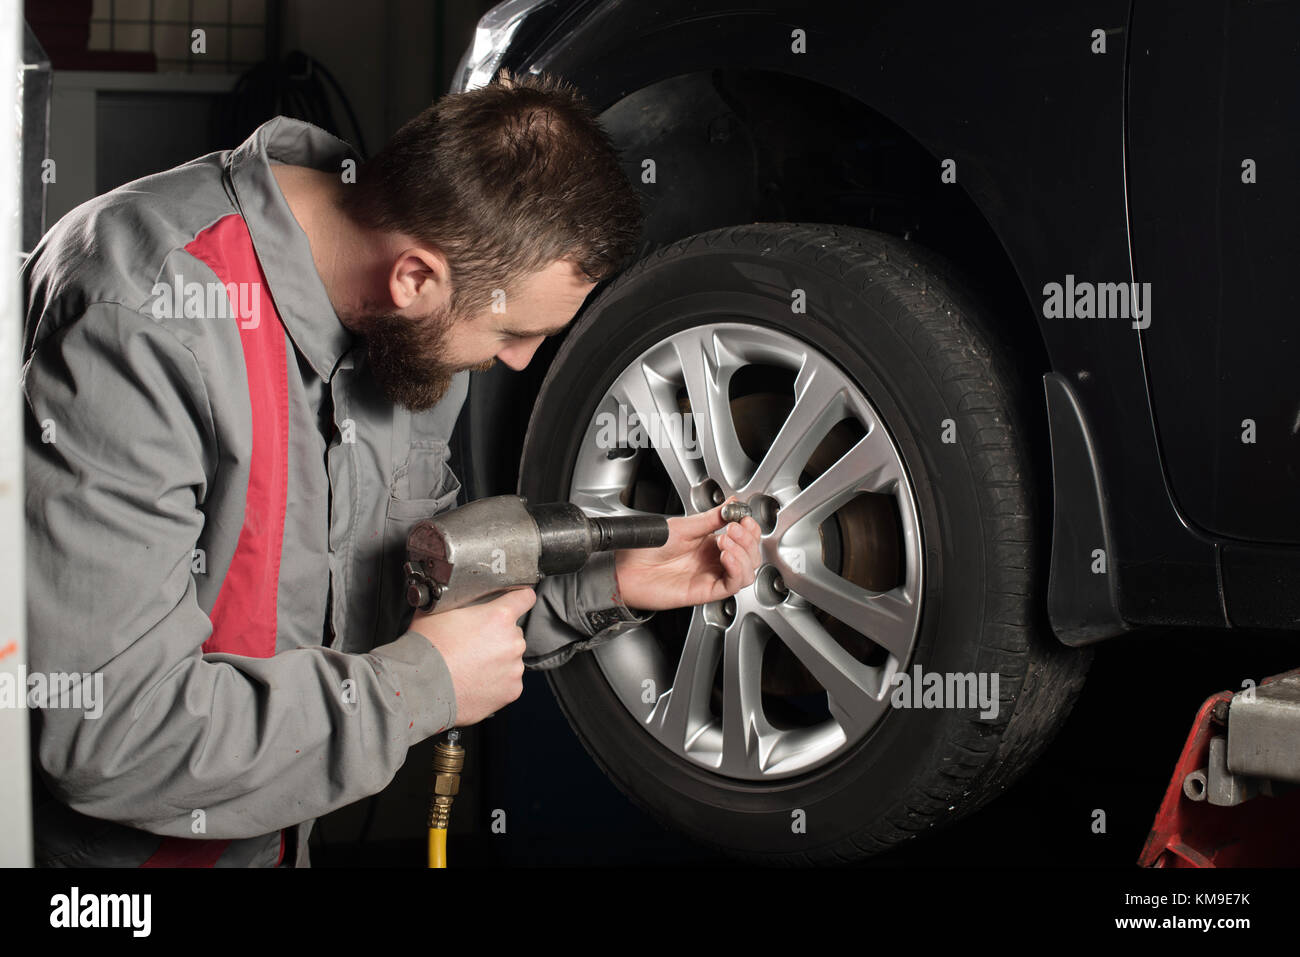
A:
[414, 359]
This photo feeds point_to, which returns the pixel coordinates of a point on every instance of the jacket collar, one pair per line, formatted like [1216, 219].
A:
[282, 247]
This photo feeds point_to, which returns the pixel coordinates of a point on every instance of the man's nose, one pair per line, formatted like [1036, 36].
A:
[517, 355]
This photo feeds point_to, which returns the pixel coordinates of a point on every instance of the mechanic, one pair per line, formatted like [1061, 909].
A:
[219, 486]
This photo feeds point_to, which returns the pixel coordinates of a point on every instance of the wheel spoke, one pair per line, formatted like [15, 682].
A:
[818, 405]
[707, 377]
[630, 659]
[870, 466]
[684, 708]
[636, 392]
[852, 688]
[743, 724]
[603, 500]
[888, 618]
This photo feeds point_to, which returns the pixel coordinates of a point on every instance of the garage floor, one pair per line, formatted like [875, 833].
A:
[1115, 753]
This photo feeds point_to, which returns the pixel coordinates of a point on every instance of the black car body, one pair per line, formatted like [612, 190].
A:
[1143, 151]
[1108, 167]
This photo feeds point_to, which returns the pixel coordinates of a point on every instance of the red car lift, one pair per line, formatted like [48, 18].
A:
[1234, 799]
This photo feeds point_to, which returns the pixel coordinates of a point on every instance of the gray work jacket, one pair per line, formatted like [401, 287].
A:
[217, 500]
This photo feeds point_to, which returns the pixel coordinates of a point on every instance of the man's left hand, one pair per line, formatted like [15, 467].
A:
[694, 567]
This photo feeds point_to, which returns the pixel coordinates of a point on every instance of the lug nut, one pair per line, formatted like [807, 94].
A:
[735, 511]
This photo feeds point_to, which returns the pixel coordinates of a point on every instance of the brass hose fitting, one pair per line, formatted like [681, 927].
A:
[448, 762]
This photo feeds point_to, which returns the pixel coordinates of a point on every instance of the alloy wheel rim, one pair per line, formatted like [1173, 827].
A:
[709, 701]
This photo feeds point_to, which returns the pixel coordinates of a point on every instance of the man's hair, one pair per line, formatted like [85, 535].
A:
[504, 180]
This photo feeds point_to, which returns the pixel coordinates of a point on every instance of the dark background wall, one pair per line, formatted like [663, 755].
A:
[118, 114]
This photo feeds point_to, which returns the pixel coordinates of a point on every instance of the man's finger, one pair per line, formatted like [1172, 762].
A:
[753, 554]
[694, 525]
[709, 521]
[750, 535]
[732, 569]
[743, 567]
[746, 540]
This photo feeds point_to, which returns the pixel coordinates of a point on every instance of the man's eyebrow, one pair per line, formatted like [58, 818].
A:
[525, 334]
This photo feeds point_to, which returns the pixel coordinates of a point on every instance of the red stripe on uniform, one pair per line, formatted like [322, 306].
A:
[243, 617]
[244, 614]
[186, 852]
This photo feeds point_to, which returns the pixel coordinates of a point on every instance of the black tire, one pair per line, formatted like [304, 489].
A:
[905, 330]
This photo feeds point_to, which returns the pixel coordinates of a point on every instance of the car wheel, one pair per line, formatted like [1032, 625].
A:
[890, 669]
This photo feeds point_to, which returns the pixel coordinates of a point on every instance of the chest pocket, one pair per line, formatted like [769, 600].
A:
[423, 484]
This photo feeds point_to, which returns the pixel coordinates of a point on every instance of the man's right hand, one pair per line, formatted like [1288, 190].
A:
[484, 647]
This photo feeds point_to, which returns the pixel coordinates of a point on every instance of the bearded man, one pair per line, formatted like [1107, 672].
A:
[241, 376]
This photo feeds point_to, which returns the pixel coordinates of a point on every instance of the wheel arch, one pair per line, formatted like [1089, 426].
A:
[742, 142]
[1033, 115]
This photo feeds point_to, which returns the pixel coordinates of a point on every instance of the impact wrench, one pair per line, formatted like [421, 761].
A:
[475, 552]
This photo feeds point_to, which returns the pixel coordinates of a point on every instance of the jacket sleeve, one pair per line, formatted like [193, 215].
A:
[576, 613]
[119, 449]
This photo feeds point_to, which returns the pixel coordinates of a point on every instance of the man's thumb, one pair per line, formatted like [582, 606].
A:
[519, 600]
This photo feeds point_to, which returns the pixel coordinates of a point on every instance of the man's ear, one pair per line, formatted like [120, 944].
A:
[419, 278]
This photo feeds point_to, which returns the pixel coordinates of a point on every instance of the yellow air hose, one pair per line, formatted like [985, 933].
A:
[448, 762]
[437, 847]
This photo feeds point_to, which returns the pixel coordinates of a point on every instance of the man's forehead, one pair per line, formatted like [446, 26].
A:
[549, 298]
[559, 275]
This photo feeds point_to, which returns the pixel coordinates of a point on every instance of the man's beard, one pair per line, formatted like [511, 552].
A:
[408, 358]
